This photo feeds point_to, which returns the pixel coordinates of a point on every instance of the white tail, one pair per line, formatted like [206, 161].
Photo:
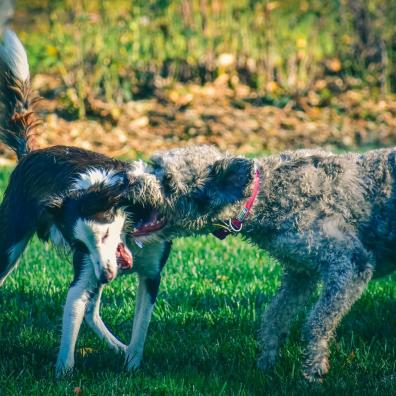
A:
[13, 56]
[17, 119]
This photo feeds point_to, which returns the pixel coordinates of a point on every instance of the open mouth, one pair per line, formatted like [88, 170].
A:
[146, 227]
[124, 257]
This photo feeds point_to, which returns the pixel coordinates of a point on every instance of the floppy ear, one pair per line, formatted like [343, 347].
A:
[101, 198]
[228, 181]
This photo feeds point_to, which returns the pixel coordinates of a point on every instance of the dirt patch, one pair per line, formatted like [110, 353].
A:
[231, 116]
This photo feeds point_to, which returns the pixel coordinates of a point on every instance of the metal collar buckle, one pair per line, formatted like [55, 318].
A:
[235, 225]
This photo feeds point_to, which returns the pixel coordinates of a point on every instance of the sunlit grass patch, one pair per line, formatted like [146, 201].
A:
[202, 339]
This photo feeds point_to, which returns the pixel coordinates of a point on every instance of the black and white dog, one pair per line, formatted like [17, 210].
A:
[73, 197]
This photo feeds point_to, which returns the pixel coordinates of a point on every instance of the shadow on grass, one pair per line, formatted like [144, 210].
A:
[202, 336]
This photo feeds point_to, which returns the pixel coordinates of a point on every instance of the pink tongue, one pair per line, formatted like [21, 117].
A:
[124, 258]
[151, 225]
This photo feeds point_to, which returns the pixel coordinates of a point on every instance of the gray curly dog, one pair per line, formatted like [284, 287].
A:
[329, 219]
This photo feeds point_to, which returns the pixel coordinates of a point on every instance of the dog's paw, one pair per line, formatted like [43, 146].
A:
[132, 360]
[267, 359]
[316, 371]
[63, 369]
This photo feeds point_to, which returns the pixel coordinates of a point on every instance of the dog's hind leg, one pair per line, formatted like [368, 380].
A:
[294, 292]
[146, 297]
[344, 282]
[9, 258]
[95, 322]
[77, 299]
[13, 240]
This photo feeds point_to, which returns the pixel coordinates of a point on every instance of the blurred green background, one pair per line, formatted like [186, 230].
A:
[119, 47]
[131, 77]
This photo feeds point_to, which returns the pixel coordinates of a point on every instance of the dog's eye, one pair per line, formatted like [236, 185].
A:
[104, 237]
[103, 217]
[80, 246]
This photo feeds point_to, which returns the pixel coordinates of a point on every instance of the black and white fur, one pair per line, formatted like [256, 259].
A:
[70, 196]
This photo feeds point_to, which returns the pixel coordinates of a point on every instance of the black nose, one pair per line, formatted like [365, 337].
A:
[106, 276]
[103, 278]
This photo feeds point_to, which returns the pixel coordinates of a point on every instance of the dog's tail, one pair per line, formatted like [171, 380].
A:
[17, 119]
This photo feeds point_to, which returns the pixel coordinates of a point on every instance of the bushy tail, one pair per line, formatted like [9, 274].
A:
[17, 119]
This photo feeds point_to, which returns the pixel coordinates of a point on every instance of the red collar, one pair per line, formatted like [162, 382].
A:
[233, 226]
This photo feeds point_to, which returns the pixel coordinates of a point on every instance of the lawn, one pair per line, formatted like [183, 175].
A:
[202, 339]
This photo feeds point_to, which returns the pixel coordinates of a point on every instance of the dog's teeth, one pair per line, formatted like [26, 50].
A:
[139, 243]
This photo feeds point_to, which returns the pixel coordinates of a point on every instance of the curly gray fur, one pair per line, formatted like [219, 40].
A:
[327, 218]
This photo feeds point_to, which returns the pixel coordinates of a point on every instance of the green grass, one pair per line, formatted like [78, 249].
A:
[202, 339]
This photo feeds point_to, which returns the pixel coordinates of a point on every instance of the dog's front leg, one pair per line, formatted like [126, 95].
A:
[344, 282]
[150, 261]
[73, 314]
[294, 292]
[145, 300]
[94, 321]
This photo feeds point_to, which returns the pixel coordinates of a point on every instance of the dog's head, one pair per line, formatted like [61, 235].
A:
[188, 189]
[92, 219]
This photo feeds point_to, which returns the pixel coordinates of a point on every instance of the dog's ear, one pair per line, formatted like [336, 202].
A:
[228, 181]
[101, 198]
